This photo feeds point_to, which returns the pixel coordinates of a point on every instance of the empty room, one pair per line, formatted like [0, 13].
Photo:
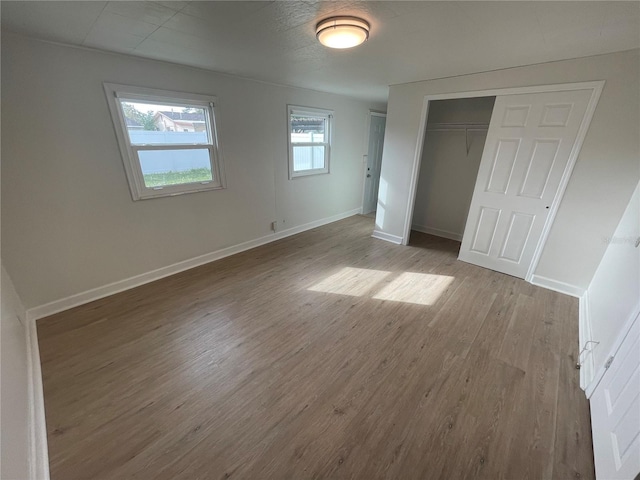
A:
[320, 239]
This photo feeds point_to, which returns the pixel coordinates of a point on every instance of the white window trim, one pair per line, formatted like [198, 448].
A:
[297, 110]
[139, 191]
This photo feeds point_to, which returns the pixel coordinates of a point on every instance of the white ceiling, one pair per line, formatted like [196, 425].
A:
[275, 41]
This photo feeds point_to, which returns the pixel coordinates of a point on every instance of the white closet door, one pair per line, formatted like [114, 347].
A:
[374, 160]
[615, 413]
[528, 146]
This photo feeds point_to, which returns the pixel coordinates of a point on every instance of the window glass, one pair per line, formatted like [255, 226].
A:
[167, 140]
[307, 129]
[175, 167]
[154, 124]
[309, 141]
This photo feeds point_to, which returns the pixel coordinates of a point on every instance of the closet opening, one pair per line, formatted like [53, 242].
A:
[454, 139]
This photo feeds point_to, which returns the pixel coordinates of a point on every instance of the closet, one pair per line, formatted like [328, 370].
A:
[454, 141]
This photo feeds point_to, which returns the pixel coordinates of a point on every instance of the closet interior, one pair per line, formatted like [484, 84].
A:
[454, 141]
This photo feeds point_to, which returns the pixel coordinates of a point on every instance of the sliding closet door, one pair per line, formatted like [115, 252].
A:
[528, 146]
[615, 413]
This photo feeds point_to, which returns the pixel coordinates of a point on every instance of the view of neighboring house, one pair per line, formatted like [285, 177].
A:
[133, 124]
[180, 121]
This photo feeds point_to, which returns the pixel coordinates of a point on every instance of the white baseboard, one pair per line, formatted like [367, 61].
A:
[584, 336]
[557, 286]
[437, 232]
[387, 237]
[116, 287]
[37, 425]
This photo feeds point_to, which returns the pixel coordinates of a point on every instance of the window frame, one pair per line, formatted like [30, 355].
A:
[139, 191]
[318, 112]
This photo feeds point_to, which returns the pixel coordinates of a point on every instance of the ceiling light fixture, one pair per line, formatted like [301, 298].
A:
[342, 32]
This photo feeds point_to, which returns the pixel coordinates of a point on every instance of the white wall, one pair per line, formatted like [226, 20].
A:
[14, 384]
[69, 224]
[613, 296]
[604, 177]
[447, 170]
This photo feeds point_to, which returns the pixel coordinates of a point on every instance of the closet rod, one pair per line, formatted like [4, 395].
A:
[457, 126]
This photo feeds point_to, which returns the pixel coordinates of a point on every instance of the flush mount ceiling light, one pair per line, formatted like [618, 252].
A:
[342, 32]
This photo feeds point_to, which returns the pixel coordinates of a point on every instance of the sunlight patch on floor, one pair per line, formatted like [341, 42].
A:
[351, 281]
[408, 287]
[418, 288]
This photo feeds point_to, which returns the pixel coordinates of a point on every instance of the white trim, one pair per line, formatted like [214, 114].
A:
[595, 379]
[595, 86]
[584, 336]
[557, 286]
[37, 425]
[121, 285]
[387, 237]
[437, 232]
[555, 87]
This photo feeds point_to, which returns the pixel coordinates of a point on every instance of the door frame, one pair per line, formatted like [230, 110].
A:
[365, 148]
[596, 88]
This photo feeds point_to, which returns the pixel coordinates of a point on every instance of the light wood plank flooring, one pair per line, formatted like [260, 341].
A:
[329, 354]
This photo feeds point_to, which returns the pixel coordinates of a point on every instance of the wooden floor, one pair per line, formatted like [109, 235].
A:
[329, 354]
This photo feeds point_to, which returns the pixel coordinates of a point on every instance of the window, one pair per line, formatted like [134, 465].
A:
[168, 140]
[309, 140]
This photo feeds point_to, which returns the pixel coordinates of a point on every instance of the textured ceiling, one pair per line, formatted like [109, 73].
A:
[275, 41]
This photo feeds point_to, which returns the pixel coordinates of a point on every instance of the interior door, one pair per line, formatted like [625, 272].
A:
[615, 413]
[374, 160]
[527, 150]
